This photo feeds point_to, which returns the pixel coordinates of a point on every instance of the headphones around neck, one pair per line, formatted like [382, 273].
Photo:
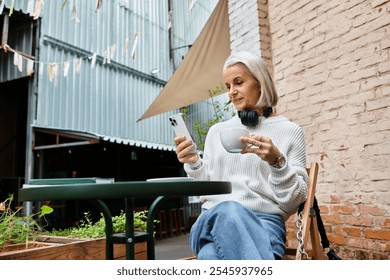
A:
[250, 117]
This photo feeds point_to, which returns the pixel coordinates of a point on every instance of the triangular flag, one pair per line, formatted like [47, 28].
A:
[50, 72]
[106, 56]
[56, 72]
[192, 4]
[98, 4]
[136, 35]
[64, 4]
[74, 12]
[16, 58]
[93, 60]
[11, 8]
[30, 67]
[65, 68]
[38, 8]
[169, 20]
[78, 65]
[20, 63]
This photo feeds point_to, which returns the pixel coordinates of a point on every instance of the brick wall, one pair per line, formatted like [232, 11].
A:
[249, 27]
[244, 25]
[331, 63]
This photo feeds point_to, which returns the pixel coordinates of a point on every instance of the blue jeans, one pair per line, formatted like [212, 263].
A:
[230, 231]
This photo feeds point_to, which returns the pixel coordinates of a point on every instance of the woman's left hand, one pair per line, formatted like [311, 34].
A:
[261, 146]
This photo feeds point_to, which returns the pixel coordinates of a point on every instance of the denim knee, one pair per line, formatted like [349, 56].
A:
[229, 209]
[229, 230]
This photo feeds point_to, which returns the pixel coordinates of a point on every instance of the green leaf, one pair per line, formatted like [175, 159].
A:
[45, 210]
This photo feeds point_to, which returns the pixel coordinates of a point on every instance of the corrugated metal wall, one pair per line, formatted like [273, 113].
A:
[109, 98]
[18, 31]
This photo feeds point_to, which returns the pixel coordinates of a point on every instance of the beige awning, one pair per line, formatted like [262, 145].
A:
[201, 69]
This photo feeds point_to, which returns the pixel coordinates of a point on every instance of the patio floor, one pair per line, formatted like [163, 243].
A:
[173, 248]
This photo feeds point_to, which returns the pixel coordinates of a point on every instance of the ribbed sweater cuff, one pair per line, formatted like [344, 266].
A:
[188, 167]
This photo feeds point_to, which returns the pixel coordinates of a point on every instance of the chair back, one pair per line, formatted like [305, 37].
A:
[309, 222]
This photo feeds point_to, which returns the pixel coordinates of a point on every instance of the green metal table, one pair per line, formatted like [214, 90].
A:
[129, 191]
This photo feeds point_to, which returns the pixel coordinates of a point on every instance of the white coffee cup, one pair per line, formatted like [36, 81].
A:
[230, 139]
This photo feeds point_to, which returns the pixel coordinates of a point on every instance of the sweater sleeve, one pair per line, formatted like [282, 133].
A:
[202, 173]
[289, 183]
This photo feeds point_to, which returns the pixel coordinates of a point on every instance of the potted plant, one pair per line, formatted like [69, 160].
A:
[94, 232]
[17, 231]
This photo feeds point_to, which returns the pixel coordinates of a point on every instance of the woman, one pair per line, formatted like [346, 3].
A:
[269, 179]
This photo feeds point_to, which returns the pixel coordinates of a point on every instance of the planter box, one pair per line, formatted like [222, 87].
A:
[63, 248]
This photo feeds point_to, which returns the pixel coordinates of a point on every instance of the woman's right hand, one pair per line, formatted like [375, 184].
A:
[183, 147]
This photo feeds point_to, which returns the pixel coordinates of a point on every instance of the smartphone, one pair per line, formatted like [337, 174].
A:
[180, 128]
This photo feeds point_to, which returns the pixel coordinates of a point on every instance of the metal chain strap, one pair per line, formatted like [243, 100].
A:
[299, 225]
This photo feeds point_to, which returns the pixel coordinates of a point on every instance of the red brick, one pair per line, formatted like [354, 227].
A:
[332, 219]
[367, 244]
[336, 230]
[358, 221]
[377, 234]
[372, 210]
[342, 209]
[352, 231]
[336, 239]
[324, 209]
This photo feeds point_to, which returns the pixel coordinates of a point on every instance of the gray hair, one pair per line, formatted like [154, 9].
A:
[257, 67]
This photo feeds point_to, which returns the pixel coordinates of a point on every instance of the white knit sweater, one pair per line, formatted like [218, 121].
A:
[255, 183]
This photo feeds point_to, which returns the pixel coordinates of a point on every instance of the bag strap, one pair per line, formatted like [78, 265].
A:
[321, 229]
[324, 238]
